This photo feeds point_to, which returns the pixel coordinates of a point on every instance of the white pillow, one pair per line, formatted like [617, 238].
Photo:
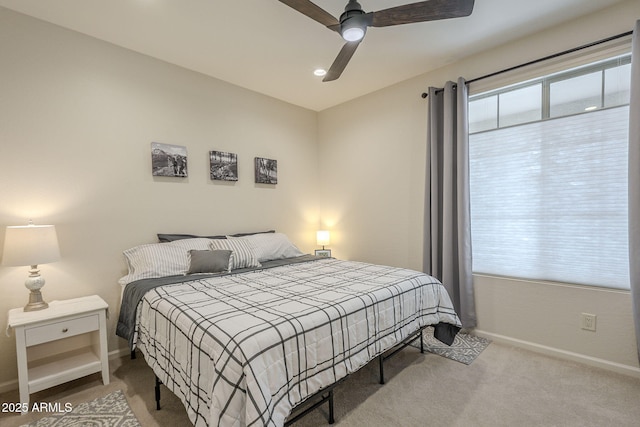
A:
[268, 246]
[160, 259]
[241, 253]
[197, 243]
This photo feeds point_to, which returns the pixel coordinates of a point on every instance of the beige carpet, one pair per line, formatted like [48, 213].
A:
[504, 386]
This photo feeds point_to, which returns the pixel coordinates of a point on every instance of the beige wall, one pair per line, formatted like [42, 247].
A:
[372, 157]
[77, 117]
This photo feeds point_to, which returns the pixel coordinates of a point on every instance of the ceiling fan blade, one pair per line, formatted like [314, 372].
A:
[341, 61]
[422, 11]
[314, 12]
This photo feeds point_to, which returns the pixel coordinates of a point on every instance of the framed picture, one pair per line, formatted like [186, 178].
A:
[323, 252]
[223, 166]
[266, 171]
[168, 160]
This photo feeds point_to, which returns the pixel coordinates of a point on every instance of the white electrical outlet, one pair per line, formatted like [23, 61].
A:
[588, 322]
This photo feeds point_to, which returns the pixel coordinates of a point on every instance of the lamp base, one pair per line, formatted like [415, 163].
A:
[34, 283]
[35, 302]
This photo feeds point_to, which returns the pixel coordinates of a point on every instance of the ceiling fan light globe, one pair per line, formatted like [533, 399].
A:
[353, 34]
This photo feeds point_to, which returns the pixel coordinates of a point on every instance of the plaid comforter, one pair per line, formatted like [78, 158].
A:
[244, 349]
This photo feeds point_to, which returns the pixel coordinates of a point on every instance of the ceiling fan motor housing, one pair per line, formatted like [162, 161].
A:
[353, 22]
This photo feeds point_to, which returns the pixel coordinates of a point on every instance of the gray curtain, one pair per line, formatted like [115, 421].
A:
[634, 182]
[447, 246]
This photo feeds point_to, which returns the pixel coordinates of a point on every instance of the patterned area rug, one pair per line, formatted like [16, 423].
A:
[111, 410]
[465, 347]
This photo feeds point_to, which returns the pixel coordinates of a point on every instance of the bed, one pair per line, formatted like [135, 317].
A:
[270, 327]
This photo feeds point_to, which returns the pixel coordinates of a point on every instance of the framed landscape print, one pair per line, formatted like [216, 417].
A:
[223, 166]
[323, 252]
[266, 171]
[168, 160]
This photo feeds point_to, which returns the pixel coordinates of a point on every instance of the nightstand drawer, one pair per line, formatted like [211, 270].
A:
[63, 329]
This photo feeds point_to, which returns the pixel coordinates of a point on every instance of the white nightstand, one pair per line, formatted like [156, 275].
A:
[66, 341]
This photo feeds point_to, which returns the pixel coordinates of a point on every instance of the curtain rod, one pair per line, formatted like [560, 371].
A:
[546, 58]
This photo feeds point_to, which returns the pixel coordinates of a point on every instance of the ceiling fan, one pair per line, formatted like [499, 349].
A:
[353, 23]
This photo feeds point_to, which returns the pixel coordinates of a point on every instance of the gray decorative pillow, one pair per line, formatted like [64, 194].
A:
[216, 261]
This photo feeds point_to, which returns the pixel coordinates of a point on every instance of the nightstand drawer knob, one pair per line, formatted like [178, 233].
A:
[65, 330]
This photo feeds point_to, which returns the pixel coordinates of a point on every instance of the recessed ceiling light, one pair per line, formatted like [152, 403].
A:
[593, 107]
[320, 72]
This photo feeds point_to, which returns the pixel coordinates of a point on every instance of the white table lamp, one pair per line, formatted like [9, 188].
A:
[31, 245]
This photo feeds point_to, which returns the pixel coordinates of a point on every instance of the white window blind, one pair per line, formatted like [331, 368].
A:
[548, 170]
[549, 199]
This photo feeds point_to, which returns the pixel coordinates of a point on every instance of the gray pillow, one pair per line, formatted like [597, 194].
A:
[208, 261]
[164, 238]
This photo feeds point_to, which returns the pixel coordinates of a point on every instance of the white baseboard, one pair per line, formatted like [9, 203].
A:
[13, 384]
[119, 353]
[633, 371]
[9, 386]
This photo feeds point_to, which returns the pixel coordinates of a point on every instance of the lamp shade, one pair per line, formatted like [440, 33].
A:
[322, 238]
[30, 245]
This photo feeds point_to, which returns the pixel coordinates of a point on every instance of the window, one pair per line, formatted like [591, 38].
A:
[548, 170]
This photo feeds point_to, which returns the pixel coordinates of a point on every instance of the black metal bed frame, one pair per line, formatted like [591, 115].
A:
[326, 394]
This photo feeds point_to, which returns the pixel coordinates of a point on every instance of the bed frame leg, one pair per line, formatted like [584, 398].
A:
[331, 418]
[409, 341]
[133, 354]
[158, 382]
[381, 362]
